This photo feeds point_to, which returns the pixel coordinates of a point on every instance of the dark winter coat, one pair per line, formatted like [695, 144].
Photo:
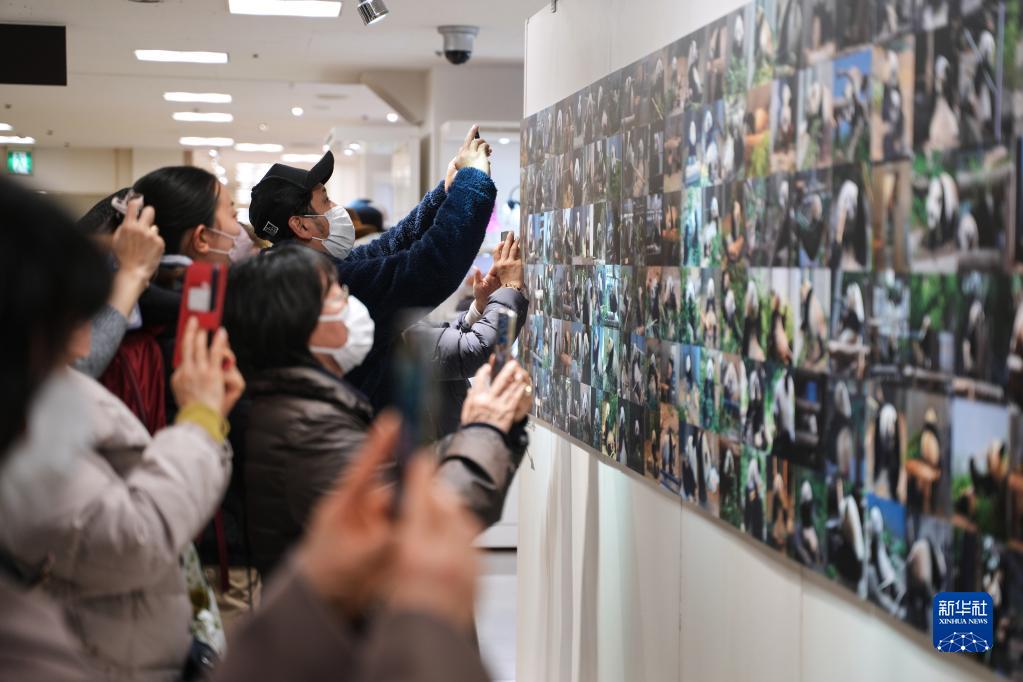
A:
[304, 427]
[417, 264]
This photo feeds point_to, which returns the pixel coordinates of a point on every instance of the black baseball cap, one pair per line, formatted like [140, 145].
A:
[268, 214]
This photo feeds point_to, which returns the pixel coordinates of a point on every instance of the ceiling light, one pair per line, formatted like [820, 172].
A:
[349, 152]
[206, 141]
[355, 146]
[286, 8]
[255, 147]
[297, 111]
[213, 153]
[393, 117]
[300, 158]
[16, 139]
[204, 97]
[205, 117]
[326, 148]
[6, 126]
[181, 56]
[263, 127]
[372, 11]
[504, 140]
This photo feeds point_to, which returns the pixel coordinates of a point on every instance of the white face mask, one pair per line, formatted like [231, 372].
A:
[241, 245]
[341, 235]
[360, 335]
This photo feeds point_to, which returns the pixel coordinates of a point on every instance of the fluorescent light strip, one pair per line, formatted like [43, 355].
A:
[257, 147]
[286, 8]
[6, 126]
[16, 139]
[202, 117]
[181, 56]
[301, 158]
[206, 141]
[205, 97]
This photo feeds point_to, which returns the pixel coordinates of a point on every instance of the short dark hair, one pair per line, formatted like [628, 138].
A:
[184, 197]
[275, 200]
[102, 218]
[52, 279]
[273, 305]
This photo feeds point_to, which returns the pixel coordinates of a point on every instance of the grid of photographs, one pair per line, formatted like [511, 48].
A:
[777, 270]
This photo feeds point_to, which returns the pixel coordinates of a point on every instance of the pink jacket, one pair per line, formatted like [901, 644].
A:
[113, 527]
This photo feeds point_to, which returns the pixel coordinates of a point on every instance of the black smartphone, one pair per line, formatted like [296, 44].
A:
[414, 392]
[507, 322]
[477, 133]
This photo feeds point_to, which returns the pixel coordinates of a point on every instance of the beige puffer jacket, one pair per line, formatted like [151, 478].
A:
[112, 528]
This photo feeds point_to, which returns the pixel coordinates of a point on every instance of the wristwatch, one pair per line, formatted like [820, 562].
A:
[517, 286]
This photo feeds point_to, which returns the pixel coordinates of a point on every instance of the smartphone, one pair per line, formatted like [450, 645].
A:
[120, 204]
[477, 136]
[504, 235]
[507, 321]
[202, 297]
[414, 392]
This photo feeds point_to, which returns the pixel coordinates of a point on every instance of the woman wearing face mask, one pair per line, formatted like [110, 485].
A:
[196, 219]
[299, 335]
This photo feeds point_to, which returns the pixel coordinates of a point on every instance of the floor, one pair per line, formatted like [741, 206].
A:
[495, 613]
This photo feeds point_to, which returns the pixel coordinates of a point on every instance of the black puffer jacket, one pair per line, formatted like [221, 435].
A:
[304, 425]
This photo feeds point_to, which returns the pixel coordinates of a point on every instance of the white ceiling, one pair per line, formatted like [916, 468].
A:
[275, 63]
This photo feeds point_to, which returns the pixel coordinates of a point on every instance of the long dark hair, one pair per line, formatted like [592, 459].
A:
[52, 279]
[184, 197]
[273, 305]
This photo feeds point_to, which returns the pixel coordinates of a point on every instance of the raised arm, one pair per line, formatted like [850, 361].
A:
[413, 226]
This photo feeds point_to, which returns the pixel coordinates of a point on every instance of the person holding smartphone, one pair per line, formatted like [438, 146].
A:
[416, 264]
[495, 316]
[299, 334]
[113, 562]
[91, 502]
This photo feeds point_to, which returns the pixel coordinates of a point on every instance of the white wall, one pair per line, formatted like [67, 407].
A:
[469, 93]
[620, 582]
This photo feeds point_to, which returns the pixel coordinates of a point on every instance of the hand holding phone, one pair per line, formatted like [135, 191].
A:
[202, 298]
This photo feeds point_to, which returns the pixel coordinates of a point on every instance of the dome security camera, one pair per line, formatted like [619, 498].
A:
[458, 42]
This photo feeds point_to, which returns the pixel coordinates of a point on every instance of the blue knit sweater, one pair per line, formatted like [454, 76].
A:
[416, 264]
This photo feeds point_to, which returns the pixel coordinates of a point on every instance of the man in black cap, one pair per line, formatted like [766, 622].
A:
[416, 264]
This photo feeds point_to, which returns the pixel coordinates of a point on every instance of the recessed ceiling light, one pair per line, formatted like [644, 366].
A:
[256, 147]
[181, 56]
[263, 127]
[202, 117]
[355, 146]
[349, 152]
[300, 158]
[213, 153]
[206, 141]
[393, 117]
[286, 8]
[504, 140]
[205, 97]
[326, 148]
[16, 139]
[297, 111]
[6, 126]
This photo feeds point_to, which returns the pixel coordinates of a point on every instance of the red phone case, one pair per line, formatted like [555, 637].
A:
[202, 297]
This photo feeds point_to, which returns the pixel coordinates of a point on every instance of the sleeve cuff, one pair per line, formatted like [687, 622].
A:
[473, 315]
[206, 418]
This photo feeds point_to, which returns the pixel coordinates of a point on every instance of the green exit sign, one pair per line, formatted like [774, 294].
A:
[19, 162]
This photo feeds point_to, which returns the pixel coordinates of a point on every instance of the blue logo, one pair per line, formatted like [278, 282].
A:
[963, 622]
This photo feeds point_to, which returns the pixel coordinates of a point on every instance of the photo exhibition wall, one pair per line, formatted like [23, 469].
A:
[777, 270]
